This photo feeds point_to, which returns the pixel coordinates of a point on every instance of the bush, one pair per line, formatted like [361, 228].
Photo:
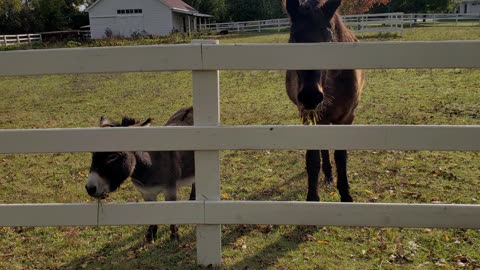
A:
[73, 44]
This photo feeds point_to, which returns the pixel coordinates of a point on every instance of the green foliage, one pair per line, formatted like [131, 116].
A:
[248, 10]
[10, 15]
[217, 8]
[239, 10]
[17, 16]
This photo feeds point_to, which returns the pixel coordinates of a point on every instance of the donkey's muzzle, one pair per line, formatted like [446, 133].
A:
[91, 190]
[310, 99]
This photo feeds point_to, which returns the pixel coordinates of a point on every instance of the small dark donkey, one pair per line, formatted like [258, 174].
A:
[152, 173]
[323, 97]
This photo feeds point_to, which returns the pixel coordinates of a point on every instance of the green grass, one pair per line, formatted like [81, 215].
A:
[248, 97]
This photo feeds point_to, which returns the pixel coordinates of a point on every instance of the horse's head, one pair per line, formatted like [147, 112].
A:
[311, 22]
[110, 169]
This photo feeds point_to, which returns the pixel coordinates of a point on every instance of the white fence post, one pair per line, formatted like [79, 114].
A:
[206, 103]
[18, 39]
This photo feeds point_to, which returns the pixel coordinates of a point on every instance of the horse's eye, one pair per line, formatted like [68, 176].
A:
[112, 158]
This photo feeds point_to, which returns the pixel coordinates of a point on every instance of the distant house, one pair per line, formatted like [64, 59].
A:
[156, 17]
[469, 6]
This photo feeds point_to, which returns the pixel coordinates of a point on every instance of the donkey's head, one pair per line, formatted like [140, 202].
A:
[312, 21]
[110, 169]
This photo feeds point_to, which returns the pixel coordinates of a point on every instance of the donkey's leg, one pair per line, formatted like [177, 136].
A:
[327, 167]
[341, 158]
[313, 170]
[171, 195]
[151, 234]
[192, 193]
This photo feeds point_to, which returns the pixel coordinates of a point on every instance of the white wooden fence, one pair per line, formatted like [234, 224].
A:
[384, 22]
[207, 137]
[7, 40]
[437, 18]
[363, 23]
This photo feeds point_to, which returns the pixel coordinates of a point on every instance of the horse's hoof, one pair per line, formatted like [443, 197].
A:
[329, 180]
[313, 198]
[346, 198]
[150, 238]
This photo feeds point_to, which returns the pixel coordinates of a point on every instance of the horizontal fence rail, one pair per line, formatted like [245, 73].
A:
[244, 212]
[438, 138]
[368, 55]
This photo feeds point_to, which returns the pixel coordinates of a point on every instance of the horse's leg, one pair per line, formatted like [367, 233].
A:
[151, 235]
[327, 167]
[341, 157]
[192, 193]
[313, 170]
[171, 195]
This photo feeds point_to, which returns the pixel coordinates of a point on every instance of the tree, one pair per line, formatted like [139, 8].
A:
[362, 6]
[249, 10]
[216, 8]
[10, 21]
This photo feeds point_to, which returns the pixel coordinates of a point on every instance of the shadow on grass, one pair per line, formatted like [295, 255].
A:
[270, 254]
[132, 253]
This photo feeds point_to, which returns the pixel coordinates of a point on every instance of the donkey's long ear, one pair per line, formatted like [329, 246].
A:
[292, 7]
[147, 123]
[105, 122]
[330, 7]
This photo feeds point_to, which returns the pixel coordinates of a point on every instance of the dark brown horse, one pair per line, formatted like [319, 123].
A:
[323, 96]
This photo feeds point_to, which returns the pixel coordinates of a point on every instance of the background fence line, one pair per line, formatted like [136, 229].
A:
[363, 23]
[8, 40]
[207, 137]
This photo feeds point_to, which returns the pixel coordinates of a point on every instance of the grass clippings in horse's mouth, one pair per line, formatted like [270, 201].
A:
[99, 205]
[310, 118]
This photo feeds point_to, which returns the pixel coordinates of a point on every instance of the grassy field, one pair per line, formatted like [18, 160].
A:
[253, 97]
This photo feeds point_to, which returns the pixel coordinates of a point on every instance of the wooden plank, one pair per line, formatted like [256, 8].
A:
[367, 55]
[98, 60]
[461, 54]
[344, 214]
[206, 104]
[435, 138]
[109, 214]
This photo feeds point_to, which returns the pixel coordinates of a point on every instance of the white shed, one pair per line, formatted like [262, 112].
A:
[469, 6]
[155, 17]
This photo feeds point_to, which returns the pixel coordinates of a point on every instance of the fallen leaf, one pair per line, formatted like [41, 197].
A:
[368, 192]
[225, 196]
[323, 242]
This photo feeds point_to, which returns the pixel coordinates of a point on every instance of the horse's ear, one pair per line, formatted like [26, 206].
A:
[330, 7]
[105, 122]
[147, 123]
[292, 7]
